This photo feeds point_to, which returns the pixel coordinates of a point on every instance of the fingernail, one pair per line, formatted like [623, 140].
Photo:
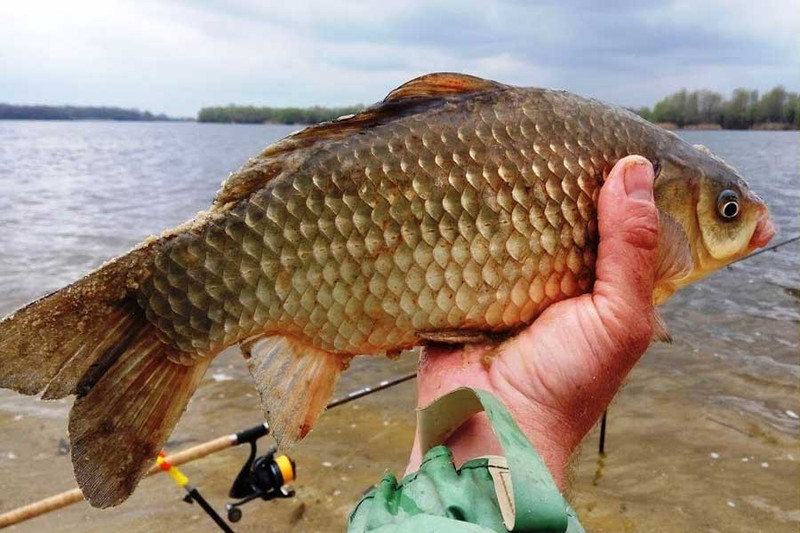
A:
[638, 178]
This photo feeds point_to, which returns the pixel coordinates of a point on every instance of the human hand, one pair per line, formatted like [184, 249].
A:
[558, 376]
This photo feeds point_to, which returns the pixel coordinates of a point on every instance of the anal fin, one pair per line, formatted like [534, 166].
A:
[295, 382]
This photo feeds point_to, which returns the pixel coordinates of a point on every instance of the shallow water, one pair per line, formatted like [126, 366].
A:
[704, 437]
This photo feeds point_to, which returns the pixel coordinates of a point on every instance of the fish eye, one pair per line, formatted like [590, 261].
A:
[728, 204]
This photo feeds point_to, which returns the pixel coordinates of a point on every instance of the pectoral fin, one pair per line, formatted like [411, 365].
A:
[295, 382]
[674, 258]
[660, 330]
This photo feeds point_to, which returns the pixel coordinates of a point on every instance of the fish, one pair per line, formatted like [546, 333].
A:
[454, 211]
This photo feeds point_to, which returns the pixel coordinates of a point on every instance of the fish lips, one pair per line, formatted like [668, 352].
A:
[764, 232]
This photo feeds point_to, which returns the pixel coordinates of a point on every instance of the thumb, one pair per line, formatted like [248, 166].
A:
[627, 255]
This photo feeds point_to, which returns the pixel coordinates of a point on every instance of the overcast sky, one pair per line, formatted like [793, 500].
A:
[178, 56]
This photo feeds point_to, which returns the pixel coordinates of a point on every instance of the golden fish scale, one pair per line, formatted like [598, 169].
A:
[475, 215]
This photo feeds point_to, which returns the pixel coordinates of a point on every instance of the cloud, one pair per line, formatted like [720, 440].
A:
[178, 56]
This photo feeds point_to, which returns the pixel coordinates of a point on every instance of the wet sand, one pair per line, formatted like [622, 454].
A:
[674, 462]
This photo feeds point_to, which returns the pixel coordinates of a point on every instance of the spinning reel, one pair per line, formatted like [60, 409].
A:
[261, 477]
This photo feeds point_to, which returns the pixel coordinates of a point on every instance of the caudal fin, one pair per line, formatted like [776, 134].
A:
[51, 343]
[93, 340]
[118, 426]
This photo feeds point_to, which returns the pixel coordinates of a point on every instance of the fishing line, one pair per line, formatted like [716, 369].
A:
[601, 446]
[768, 249]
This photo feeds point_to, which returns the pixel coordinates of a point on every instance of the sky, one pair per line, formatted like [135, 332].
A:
[178, 56]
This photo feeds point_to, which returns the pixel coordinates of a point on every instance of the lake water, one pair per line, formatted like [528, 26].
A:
[704, 437]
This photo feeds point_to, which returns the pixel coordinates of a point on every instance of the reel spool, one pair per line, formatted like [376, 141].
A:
[263, 477]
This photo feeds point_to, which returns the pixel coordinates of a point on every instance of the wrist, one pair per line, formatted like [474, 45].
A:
[553, 439]
[553, 435]
[549, 438]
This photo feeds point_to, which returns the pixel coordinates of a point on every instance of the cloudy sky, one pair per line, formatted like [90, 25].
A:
[177, 56]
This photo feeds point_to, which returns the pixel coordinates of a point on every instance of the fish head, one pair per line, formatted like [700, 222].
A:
[721, 217]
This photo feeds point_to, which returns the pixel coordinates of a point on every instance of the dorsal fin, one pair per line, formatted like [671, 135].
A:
[289, 153]
[441, 84]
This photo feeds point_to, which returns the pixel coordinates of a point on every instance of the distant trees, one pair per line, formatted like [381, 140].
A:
[68, 112]
[743, 110]
[776, 109]
[276, 115]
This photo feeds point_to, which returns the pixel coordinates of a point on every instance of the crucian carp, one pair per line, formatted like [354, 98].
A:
[456, 210]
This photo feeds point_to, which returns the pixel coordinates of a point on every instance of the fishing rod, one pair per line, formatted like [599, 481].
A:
[366, 391]
[63, 499]
[256, 479]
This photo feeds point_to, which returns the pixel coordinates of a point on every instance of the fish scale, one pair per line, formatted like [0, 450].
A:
[477, 220]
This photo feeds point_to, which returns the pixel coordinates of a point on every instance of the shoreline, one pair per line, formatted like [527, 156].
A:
[34, 119]
[768, 127]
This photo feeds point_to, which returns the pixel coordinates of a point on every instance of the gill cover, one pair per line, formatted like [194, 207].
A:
[723, 238]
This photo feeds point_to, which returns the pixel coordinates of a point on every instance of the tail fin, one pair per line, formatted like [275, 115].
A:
[50, 343]
[118, 426]
[93, 340]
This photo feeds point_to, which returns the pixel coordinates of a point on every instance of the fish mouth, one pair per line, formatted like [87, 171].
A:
[764, 232]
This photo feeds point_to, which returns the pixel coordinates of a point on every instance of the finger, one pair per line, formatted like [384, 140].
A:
[627, 255]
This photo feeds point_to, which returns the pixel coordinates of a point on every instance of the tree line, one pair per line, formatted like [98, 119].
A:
[276, 115]
[68, 112]
[745, 109]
